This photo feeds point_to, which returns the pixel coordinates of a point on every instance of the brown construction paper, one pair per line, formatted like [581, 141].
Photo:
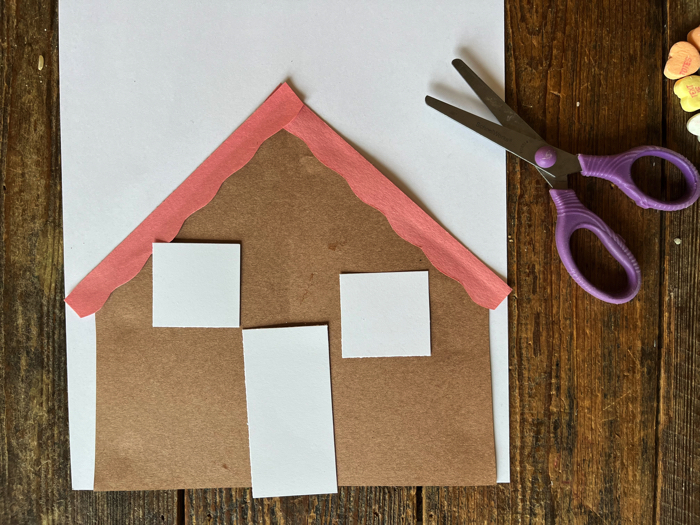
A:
[171, 409]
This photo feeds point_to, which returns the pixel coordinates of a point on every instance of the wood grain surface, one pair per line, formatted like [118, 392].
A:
[605, 400]
[677, 433]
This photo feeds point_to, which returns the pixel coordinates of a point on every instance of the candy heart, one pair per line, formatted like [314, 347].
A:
[683, 60]
[688, 90]
[694, 37]
[693, 125]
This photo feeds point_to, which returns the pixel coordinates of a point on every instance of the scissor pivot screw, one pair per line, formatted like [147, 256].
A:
[546, 157]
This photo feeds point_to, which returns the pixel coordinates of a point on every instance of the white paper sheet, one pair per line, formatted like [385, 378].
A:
[196, 285]
[150, 89]
[82, 395]
[385, 314]
[290, 411]
[498, 333]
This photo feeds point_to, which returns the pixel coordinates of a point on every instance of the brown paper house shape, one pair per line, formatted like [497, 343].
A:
[305, 207]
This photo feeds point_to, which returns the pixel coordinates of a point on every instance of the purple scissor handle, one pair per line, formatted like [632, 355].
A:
[556, 165]
[572, 215]
[618, 170]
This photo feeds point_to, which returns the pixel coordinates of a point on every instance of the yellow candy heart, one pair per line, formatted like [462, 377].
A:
[688, 90]
[683, 59]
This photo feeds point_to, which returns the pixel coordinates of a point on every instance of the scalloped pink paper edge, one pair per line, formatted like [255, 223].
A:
[284, 110]
[407, 219]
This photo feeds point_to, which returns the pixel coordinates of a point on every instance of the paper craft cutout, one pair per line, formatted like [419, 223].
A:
[290, 414]
[404, 421]
[196, 285]
[385, 314]
[284, 110]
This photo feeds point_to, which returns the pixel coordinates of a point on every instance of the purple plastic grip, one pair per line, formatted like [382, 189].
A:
[617, 169]
[571, 216]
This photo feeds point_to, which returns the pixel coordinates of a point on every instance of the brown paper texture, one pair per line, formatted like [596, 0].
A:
[171, 409]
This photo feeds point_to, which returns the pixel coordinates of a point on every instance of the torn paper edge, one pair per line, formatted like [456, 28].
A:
[284, 110]
[407, 219]
[163, 224]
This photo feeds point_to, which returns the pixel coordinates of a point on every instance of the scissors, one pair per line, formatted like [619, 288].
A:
[555, 166]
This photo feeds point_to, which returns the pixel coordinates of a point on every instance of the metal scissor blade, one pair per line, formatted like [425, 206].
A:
[502, 111]
[505, 115]
[518, 144]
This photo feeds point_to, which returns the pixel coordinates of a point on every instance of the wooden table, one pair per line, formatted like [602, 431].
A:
[605, 400]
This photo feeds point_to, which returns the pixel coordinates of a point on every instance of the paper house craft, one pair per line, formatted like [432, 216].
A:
[305, 208]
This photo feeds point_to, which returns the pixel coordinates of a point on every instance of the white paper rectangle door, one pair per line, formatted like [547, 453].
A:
[290, 412]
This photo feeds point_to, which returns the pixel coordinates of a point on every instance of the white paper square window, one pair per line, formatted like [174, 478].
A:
[385, 314]
[196, 285]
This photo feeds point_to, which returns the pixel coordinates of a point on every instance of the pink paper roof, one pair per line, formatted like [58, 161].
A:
[284, 110]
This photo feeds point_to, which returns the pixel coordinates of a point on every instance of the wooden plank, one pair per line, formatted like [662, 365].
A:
[34, 448]
[158, 507]
[583, 373]
[452, 505]
[678, 479]
[352, 505]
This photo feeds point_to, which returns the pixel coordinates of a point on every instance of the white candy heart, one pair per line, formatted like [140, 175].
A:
[693, 125]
